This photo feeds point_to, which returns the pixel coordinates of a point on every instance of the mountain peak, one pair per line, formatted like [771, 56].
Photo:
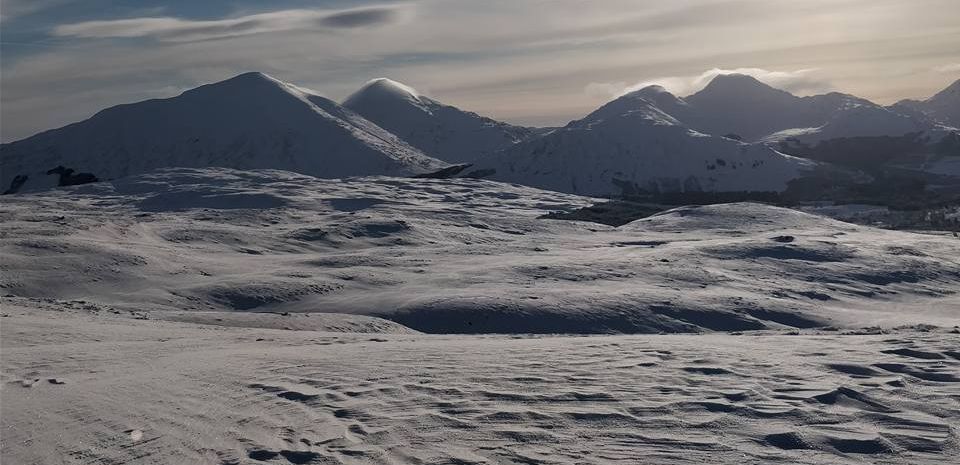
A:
[253, 75]
[250, 121]
[251, 78]
[439, 130]
[653, 101]
[392, 86]
[648, 91]
[743, 105]
[247, 85]
[737, 84]
[383, 90]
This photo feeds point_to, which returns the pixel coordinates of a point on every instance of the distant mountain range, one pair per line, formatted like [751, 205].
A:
[632, 145]
[748, 108]
[730, 136]
[247, 122]
[944, 107]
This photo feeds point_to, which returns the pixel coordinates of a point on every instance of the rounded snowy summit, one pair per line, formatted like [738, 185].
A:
[383, 89]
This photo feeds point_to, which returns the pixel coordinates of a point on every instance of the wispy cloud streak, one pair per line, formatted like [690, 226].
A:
[184, 30]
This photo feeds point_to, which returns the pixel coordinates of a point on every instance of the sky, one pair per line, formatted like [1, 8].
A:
[533, 62]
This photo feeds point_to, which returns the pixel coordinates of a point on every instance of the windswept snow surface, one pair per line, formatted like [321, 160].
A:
[462, 256]
[249, 121]
[82, 385]
[439, 130]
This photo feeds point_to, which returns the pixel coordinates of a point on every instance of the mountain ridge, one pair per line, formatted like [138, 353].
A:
[248, 121]
[943, 107]
[439, 130]
[630, 146]
[386, 127]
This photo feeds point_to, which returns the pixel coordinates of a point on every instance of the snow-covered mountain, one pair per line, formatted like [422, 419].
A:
[631, 144]
[845, 116]
[944, 107]
[249, 121]
[742, 105]
[439, 130]
[651, 140]
[647, 140]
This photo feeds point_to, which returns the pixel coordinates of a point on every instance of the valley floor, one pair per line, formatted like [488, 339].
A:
[83, 385]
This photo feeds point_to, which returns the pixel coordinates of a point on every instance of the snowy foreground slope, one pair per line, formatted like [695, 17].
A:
[462, 256]
[249, 121]
[82, 385]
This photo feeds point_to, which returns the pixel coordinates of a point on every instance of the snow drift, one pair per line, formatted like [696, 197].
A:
[116, 389]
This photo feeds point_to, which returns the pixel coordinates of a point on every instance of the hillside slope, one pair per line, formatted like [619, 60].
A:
[943, 107]
[439, 130]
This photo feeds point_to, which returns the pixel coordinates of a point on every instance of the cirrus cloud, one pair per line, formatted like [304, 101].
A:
[171, 29]
[948, 69]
